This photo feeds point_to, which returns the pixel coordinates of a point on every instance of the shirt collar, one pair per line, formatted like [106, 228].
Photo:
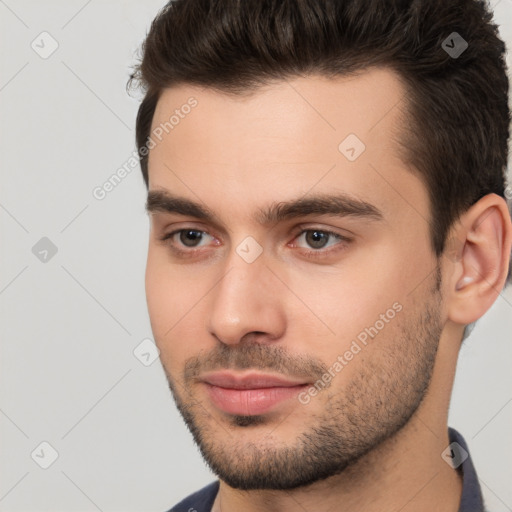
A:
[471, 498]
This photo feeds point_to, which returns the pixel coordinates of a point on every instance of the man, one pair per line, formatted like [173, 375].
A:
[326, 184]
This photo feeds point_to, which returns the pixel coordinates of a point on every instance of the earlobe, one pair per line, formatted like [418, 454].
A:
[480, 270]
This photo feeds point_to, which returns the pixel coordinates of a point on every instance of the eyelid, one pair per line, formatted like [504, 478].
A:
[170, 235]
[312, 226]
[189, 225]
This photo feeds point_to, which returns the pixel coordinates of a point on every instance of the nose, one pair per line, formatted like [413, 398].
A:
[245, 301]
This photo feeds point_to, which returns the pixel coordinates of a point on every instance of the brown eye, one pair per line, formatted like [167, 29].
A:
[317, 239]
[190, 237]
[186, 238]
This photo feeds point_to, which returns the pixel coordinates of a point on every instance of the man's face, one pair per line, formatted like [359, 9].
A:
[337, 297]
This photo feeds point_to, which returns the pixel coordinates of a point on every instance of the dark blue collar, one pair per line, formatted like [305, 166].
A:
[471, 499]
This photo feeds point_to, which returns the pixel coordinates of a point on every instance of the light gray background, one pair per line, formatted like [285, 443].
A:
[69, 326]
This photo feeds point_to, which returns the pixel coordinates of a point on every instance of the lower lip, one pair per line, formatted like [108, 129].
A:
[249, 402]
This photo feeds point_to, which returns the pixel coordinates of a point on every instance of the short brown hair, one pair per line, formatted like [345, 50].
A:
[458, 126]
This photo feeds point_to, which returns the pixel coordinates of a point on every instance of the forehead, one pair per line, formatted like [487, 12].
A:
[290, 136]
[358, 103]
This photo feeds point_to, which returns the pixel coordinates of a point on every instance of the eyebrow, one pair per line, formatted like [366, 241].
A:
[340, 205]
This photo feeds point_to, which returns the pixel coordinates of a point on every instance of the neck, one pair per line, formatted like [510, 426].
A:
[404, 473]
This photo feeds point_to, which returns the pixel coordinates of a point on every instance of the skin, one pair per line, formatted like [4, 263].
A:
[384, 415]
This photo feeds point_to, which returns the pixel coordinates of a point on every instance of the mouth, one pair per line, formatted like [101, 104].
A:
[251, 393]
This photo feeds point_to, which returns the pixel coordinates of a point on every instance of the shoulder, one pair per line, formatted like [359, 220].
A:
[199, 501]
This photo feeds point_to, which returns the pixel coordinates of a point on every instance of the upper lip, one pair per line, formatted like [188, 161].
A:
[249, 380]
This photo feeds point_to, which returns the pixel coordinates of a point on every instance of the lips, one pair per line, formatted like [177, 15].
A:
[249, 381]
[251, 393]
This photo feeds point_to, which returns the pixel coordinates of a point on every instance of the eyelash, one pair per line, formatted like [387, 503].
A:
[311, 254]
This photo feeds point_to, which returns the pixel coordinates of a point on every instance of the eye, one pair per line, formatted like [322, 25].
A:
[190, 238]
[320, 239]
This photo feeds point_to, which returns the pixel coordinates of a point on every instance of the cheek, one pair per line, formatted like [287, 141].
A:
[167, 292]
[339, 302]
[176, 309]
[158, 293]
[350, 309]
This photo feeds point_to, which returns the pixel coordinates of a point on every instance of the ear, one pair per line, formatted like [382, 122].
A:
[478, 251]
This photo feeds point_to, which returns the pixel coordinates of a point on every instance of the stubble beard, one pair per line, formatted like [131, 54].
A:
[374, 406]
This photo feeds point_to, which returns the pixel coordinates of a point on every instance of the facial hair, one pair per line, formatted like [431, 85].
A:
[373, 406]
